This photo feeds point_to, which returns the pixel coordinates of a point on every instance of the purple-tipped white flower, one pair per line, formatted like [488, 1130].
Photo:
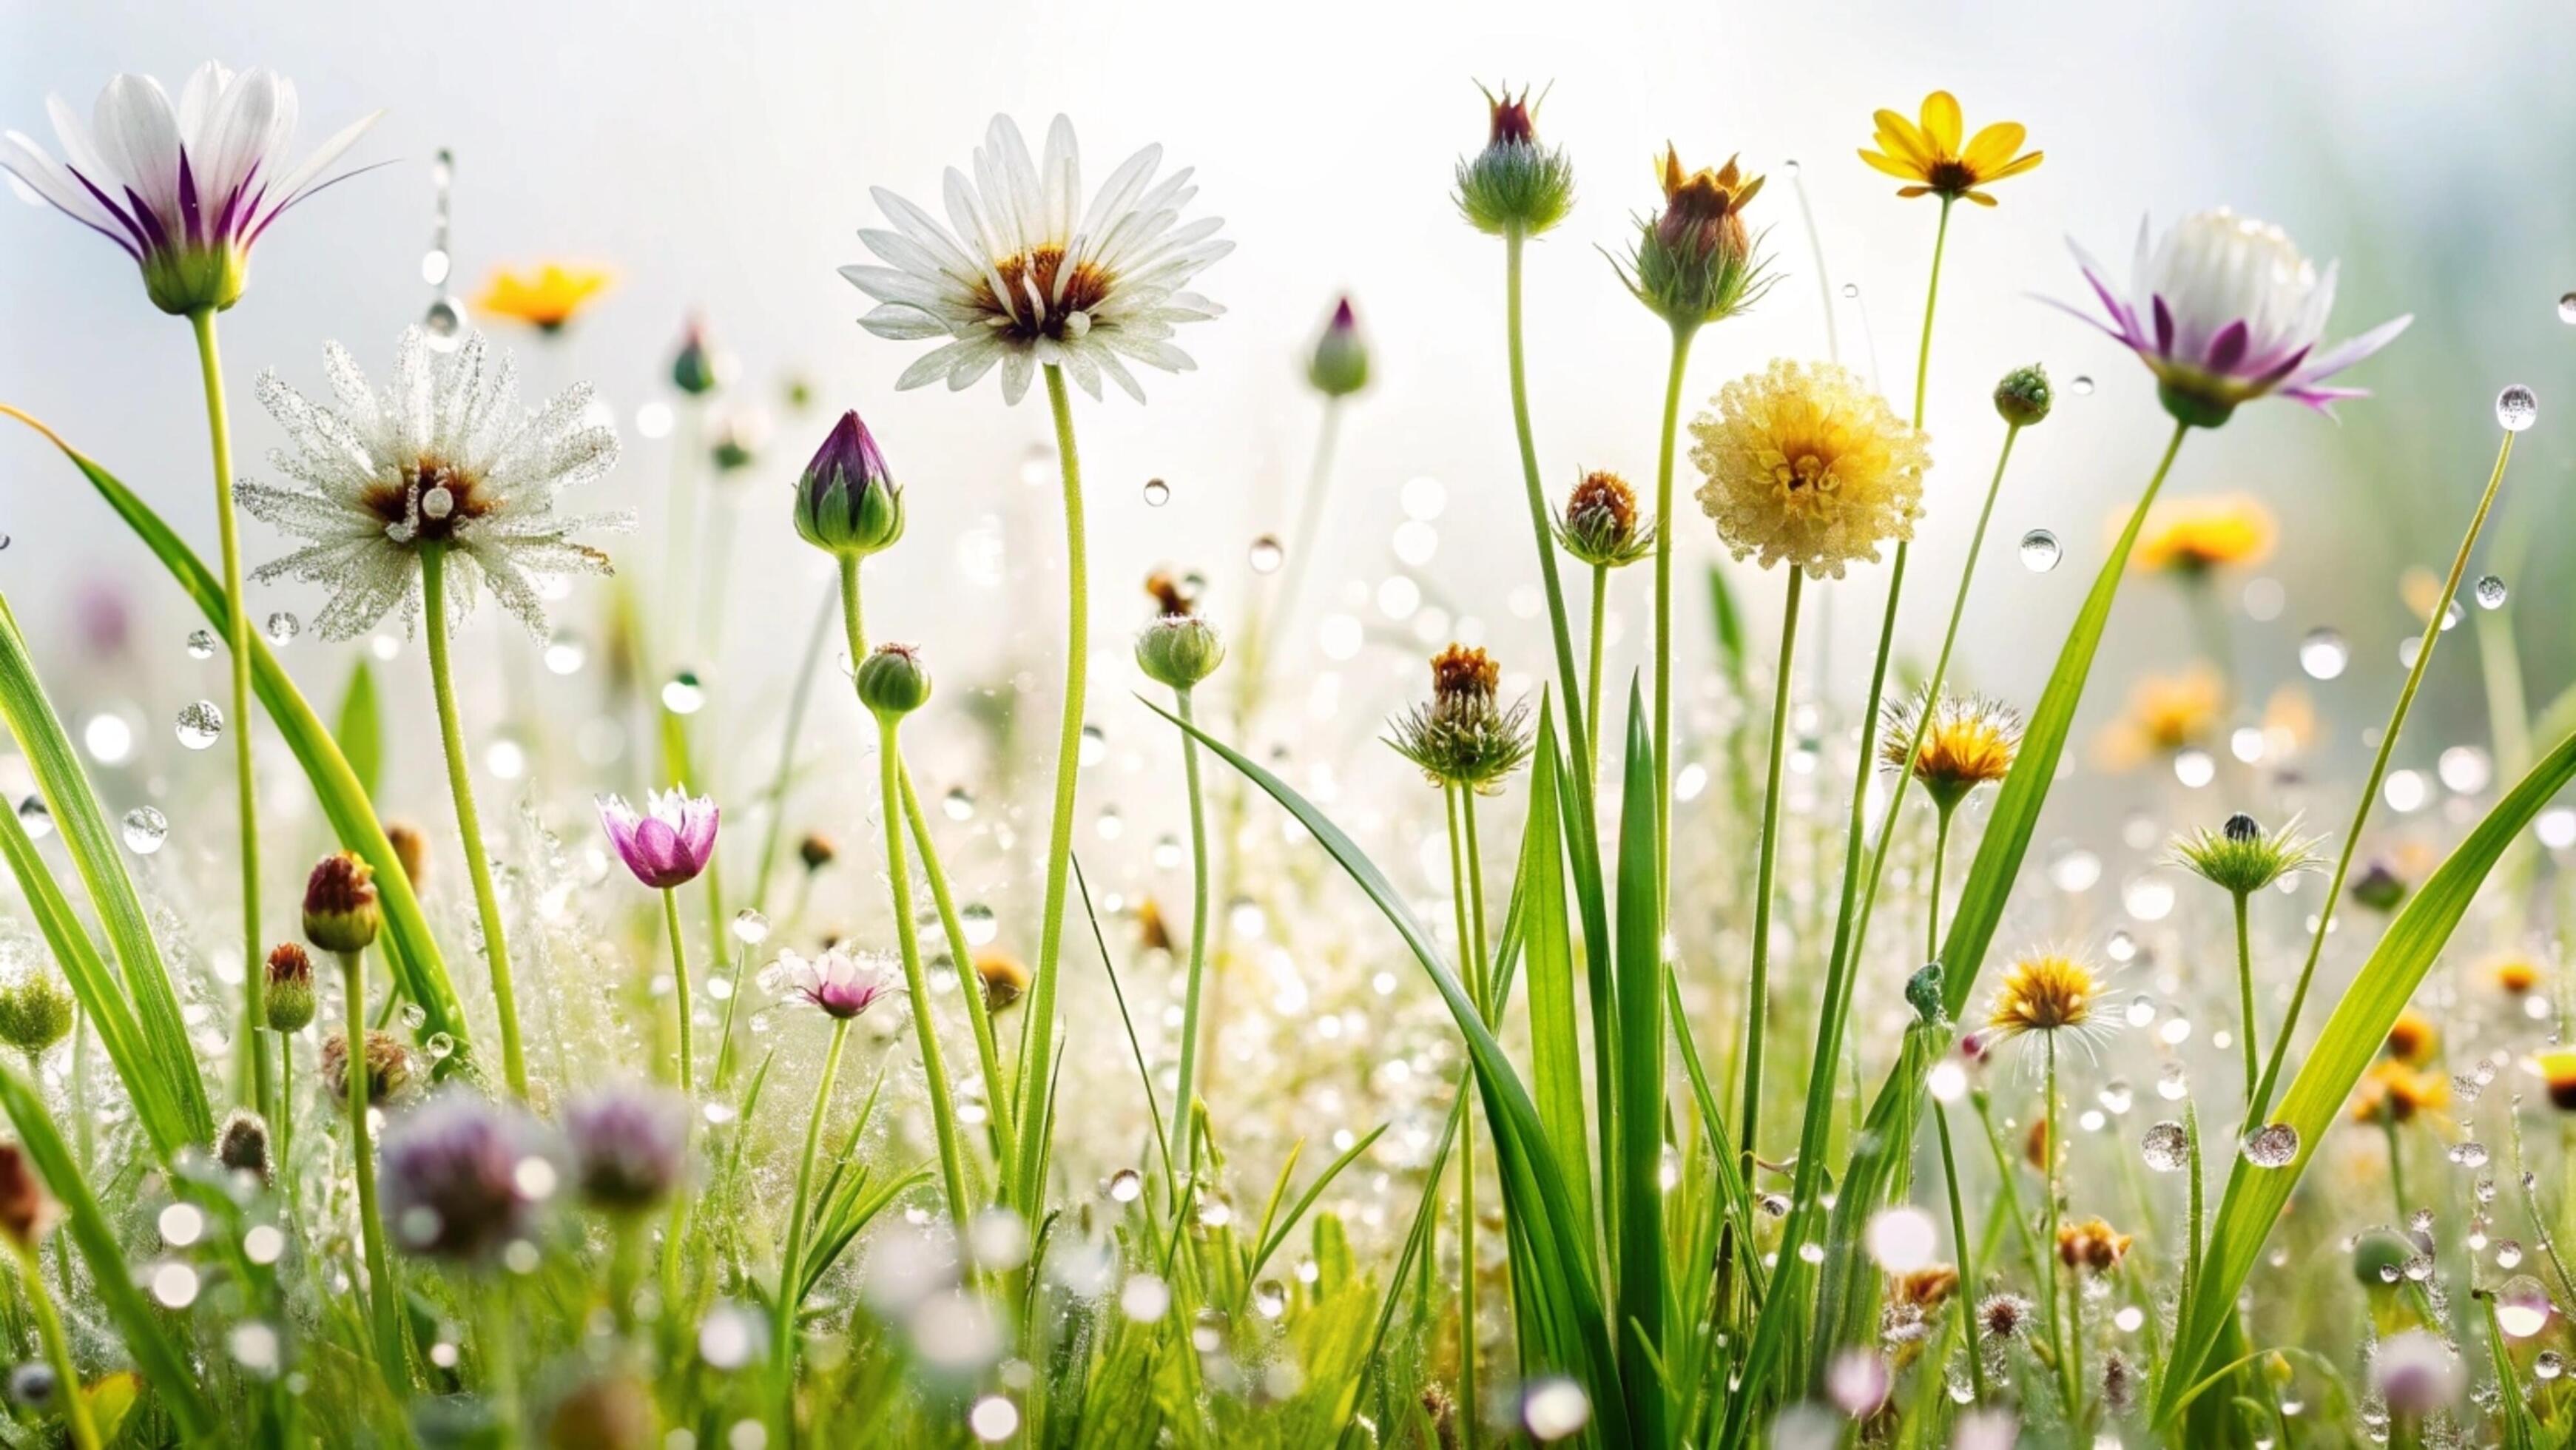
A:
[1032, 275]
[464, 1177]
[2224, 310]
[630, 1145]
[843, 984]
[2415, 1373]
[185, 189]
[669, 843]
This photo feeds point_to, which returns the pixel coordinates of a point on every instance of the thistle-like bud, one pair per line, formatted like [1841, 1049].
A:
[2243, 858]
[411, 851]
[2241, 828]
[847, 502]
[1515, 186]
[893, 682]
[697, 369]
[241, 1144]
[2024, 396]
[1340, 366]
[35, 1011]
[2379, 887]
[289, 997]
[388, 1069]
[1179, 650]
[630, 1145]
[1464, 736]
[340, 911]
[816, 851]
[1002, 978]
[1695, 262]
[1600, 525]
[27, 1211]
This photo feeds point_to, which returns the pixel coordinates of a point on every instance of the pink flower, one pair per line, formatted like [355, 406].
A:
[842, 983]
[670, 843]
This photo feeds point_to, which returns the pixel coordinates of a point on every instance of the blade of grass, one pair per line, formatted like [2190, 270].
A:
[1556, 1054]
[2352, 1036]
[1641, 1085]
[1277, 1235]
[359, 730]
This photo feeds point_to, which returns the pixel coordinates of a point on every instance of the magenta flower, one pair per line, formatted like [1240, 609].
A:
[843, 984]
[670, 843]
[2226, 310]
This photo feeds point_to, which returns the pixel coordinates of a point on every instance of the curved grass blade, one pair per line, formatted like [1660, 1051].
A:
[1641, 1086]
[335, 785]
[359, 730]
[2351, 1038]
[1280, 1226]
[1556, 1052]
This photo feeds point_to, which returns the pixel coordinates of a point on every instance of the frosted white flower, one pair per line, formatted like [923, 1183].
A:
[442, 458]
[1034, 283]
[184, 189]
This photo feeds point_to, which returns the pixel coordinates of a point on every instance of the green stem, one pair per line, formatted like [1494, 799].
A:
[1932, 902]
[58, 1350]
[460, 782]
[252, 1069]
[791, 1268]
[1184, 1111]
[1486, 1005]
[500, 1347]
[1682, 335]
[1965, 1294]
[1592, 674]
[680, 985]
[1931, 300]
[1465, 899]
[2370, 788]
[384, 1310]
[2245, 1004]
[1757, 997]
[2396, 1164]
[1568, 682]
[797, 700]
[970, 985]
[1037, 1026]
[2069, 1326]
[943, 1112]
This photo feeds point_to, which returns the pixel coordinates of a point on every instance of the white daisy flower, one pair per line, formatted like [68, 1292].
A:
[184, 189]
[444, 458]
[1030, 286]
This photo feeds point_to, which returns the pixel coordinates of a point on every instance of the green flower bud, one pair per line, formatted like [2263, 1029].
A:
[1179, 650]
[893, 682]
[847, 502]
[388, 1067]
[2378, 1256]
[1340, 366]
[289, 997]
[697, 368]
[340, 911]
[35, 1011]
[1514, 186]
[2024, 396]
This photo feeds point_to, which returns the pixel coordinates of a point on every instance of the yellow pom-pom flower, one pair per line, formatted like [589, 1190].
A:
[1805, 464]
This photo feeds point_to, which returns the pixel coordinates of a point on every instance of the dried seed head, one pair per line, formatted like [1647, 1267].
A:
[241, 1144]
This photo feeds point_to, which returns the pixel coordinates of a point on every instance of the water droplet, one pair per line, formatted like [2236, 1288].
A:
[2167, 1147]
[200, 724]
[1094, 747]
[2522, 1307]
[1126, 1186]
[683, 695]
[2272, 1146]
[282, 628]
[2517, 408]
[444, 320]
[2040, 551]
[438, 503]
[750, 927]
[1267, 554]
[1157, 493]
[2471, 1154]
[201, 644]
[958, 803]
[440, 1047]
[977, 921]
[2491, 592]
[145, 830]
[2508, 1252]
[1270, 1298]
[566, 654]
[1851, 289]
[2323, 654]
[33, 815]
[2081, 386]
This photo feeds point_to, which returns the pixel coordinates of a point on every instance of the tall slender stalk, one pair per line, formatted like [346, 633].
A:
[1592, 672]
[1037, 1028]
[1758, 982]
[469, 825]
[383, 1310]
[979, 1013]
[1683, 332]
[680, 985]
[2432, 637]
[797, 699]
[1467, 900]
[1932, 894]
[58, 1349]
[934, 1068]
[1184, 1141]
[251, 1071]
[2070, 1327]
[2245, 1003]
[791, 1268]
[1965, 1294]
[1569, 683]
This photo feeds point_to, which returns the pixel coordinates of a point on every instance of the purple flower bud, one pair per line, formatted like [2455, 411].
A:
[630, 1145]
[667, 845]
[2416, 1373]
[847, 501]
[842, 984]
[463, 1178]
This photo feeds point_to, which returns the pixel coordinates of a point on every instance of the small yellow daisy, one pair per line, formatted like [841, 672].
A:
[1928, 154]
[546, 301]
[2191, 537]
[2045, 992]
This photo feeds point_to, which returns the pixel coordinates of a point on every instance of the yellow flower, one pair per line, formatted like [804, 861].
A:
[2392, 1092]
[1969, 741]
[2044, 993]
[546, 301]
[1930, 156]
[1806, 464]
[2412, 1039]
[2514, 974]
[2166, 713]
[2193, 536]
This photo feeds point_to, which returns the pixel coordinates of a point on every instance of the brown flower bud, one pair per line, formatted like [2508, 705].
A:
[389, 1067]
[1463, 675]
[289, 998]
[340, 911]
[411, 848]
[26, 1210]
[1003, 978]
[816, 851]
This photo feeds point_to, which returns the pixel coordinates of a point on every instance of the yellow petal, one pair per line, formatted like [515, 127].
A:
[1914, 191]
[1994, 146]
[1893, 167]
[1941, 121]
[1900, 138]
[1979, 197]
[2028, 161]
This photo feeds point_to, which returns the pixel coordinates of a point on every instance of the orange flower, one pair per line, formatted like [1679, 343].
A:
[2193, 536]
[2392, 1092]
[545, 301]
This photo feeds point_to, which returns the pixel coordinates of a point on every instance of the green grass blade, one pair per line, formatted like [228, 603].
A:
[2343, 1051]
[95, 853]
[336, 786]
[1641, 1085]
[1556, 1053]
[360, 729]
[172, 1378]
[1286, 1224]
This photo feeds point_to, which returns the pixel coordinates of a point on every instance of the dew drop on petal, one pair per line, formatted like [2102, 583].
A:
[2272, 1146]
[2491, 592]
[2166, 1146]
[2517, 408]
[2040, 551]
[145, 830]
[200, 724]
[2323, 654]
[1267, 554]
[1157, 493]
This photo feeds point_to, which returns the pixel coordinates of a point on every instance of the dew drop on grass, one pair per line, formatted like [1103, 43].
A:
[1157, 493]
[2040, 551]
[2471, 1154]
[683, 695]
[145, 830]
[2491, 592]
[2166, 1146]
[1126, 1186]
[1554, 1407]
[2517, 408]
[2522, 1307]
[1267, 554]
[36, 818]
[2272, 1146]
[200, 724]
[1270, 1298]
[2548, 1364]
[201, 644]
[2323, 654]
[2508, 1252]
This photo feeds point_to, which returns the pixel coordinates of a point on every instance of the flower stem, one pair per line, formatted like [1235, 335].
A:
[952, 1160]
[58, 1350]
[500, 1350]
[1965, 1294]
[2245, 1004]
[1932, 900]
[460, 782]
[251, 1043]
[791, 1268]
[1931, 300]
[2070, 1329]
[1758, 987]
[680, 984]
[382, 1293]
[1568, 682]
[2432, 637]
[1682, 335]
[2396, 1162]
[1037, 1027]
[797, 700]
[1184, 1111]
[978, 1012]
[1469, 911]
[1592, 674]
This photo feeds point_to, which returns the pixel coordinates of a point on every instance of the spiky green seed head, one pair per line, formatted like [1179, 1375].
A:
[35, 1011]
[2024, 396]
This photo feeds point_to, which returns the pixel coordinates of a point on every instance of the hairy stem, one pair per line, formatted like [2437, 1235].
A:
[791, 1268]
[460, 783]
[934, 1069]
